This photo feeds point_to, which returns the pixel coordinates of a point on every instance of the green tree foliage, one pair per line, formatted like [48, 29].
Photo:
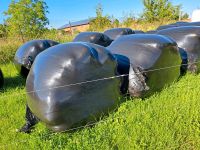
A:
[115, 23]
[128, 20]
[159, 10]
[100, 22]
[185, 16]
[26, 18]
[3, 30]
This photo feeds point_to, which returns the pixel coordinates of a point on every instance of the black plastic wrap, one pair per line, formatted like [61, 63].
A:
[178, 24]
[187, 38]
[148, 53]
[1, 79]
[25, 55]
[190, 24]
[93, 37]
[59, 100]
[115, 33]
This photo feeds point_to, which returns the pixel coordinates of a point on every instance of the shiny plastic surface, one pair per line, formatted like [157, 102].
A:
[178, 24]
[26, 54]
[148, 52]
[190, 24]
[1, 79]
[59, 103]
[93, 37]
[187, 38]
[115, 33]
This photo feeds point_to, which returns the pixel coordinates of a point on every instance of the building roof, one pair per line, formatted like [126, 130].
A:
[73, 24]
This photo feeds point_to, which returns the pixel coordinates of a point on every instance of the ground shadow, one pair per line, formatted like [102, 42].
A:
[13, 82]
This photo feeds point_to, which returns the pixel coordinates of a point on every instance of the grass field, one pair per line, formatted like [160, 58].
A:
[167, 120]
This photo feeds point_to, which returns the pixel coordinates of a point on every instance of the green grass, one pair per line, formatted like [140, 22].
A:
[9, 46]
[167, 120]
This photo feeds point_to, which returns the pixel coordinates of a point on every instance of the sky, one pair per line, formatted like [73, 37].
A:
[63, 11]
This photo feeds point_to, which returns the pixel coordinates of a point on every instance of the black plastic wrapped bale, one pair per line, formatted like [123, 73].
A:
[180, 23]
[1, 79]
[150, 56]
[93, 37]
[187, 38]
[26, 54]
[167, 26]
[190, 24]
[63, 98]
[115, 33]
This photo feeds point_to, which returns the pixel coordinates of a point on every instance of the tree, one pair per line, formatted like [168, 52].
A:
[3, 30]
[185, 16]
[100, 22]
[128, 20]
[159, 10]
[115, 23]
[26, 18]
